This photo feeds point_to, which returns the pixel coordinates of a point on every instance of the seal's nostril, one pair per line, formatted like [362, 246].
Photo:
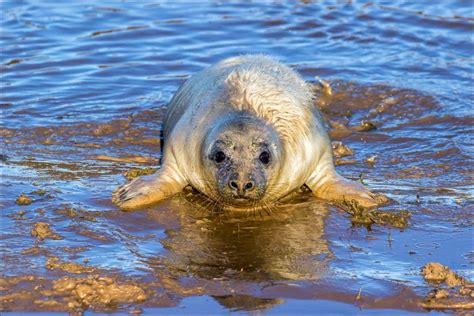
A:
[249, 186]
[233, 185]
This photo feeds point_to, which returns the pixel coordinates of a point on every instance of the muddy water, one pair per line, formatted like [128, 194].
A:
[84, 91]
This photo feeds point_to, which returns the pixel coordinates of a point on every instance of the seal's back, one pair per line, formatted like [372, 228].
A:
[246, 83]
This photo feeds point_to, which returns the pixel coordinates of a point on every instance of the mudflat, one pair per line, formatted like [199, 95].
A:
[84, 92]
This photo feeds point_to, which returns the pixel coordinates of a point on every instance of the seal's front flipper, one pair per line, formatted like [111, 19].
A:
[147, 190]
[338, 188]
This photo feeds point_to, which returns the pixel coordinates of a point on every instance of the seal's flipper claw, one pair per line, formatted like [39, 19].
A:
[129, 198]
[147, 190]
[339, 188]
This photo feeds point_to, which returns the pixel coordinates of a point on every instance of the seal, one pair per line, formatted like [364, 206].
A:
[244, 132]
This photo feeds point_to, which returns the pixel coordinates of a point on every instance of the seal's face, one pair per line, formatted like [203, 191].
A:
[241, 157]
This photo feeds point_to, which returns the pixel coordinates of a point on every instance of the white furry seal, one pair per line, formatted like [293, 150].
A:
[244, 132]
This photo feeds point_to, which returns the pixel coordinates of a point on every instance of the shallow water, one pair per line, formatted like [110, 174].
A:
[84, 91]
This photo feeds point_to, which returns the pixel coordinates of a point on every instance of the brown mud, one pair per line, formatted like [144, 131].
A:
[187, 247]
[451, 291]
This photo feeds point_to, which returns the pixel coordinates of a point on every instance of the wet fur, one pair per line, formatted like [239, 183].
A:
[276, 97]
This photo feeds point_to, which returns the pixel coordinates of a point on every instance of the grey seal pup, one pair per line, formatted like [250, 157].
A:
[244, 132]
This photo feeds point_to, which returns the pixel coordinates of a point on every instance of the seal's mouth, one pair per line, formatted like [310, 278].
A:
[224, 202]
[241, 207]
[239, 198]
[242, 201]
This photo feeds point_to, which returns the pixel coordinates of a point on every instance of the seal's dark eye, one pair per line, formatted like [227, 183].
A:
[264, 157]
[219, 157]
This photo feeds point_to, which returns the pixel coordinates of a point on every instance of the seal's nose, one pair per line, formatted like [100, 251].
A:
[234, 185]
[249, 186]
[241, 187]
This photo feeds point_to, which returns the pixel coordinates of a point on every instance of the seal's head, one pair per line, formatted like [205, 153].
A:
[240, 156]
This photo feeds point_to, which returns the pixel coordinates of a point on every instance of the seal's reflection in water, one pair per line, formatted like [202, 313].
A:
[258, 247]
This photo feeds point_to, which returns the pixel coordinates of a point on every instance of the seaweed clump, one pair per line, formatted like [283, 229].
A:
[361, 216]
[42, 231]
[136, 172]
[23, 199]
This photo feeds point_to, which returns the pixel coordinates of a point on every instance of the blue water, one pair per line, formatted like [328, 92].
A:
[89, 62]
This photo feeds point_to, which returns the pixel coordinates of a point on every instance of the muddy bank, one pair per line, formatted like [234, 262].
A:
[71, 250]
